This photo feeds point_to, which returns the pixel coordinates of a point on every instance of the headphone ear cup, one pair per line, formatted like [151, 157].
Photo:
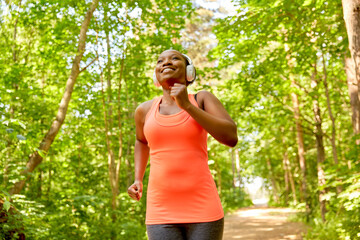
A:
[190, 73]
[156, 82]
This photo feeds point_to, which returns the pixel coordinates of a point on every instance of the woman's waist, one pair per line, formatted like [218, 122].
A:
[181, 182]
[180, 175]
[174, 164]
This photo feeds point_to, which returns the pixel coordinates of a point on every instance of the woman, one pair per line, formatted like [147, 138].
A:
[182, 200]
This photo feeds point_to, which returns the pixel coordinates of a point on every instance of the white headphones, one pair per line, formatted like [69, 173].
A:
[190, 72]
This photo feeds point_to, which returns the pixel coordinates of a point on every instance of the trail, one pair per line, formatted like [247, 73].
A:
[262, 224]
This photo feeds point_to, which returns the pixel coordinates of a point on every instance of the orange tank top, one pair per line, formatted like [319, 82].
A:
[181, 188]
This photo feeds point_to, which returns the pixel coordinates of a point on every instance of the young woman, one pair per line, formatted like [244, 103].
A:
[182, 200]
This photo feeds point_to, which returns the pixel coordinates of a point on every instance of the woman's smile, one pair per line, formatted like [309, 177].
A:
[168, 70]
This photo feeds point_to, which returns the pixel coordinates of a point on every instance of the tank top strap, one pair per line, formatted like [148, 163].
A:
[156, 101]
[153, 107]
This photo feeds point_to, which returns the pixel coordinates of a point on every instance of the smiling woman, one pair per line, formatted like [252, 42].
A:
[190, 69]
[182, 200]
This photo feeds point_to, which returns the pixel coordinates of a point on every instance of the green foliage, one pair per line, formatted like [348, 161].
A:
[10, 218]
[272, 51]
[233, 199]
[252, 65]
[68, 196]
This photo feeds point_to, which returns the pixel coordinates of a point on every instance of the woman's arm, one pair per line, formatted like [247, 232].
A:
[141, 152]
[214, 118]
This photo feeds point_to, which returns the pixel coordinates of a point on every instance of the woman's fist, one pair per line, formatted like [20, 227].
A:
[179, 93]
[135, 190]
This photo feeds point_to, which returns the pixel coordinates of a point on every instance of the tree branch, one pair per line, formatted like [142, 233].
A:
[88, 65]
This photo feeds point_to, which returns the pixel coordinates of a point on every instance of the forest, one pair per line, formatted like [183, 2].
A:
[73, 72]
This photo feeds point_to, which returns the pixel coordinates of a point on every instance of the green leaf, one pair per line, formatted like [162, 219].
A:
[7, 205]
[18, 122]
[22, 124]
[307, 2]
[277, 3]
[328, 196]
[6, 193]
[41, 152]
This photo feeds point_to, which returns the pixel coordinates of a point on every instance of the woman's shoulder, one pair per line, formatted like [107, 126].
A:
[202, 96]
[203, 93]
[144, 108]
[146, 105]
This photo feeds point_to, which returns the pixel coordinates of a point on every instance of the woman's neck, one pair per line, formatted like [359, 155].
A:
[167, 99]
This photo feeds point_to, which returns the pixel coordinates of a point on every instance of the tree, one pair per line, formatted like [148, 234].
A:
[274, 47]
[36, 157]
[351, 9]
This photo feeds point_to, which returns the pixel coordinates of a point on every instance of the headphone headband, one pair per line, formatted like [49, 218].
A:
[187, 58]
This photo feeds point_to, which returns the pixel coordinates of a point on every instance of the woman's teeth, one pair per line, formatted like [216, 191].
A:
[167, 70]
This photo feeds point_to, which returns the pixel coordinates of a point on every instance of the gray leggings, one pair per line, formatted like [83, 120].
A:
[187, 231]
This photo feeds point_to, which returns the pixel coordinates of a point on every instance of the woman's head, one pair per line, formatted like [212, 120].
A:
[173, 67]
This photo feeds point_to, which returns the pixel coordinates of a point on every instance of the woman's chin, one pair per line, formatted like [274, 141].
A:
[171, 81]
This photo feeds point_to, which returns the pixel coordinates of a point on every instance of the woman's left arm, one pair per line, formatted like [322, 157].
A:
[214, 118]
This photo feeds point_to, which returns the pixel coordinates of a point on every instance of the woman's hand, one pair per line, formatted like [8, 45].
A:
[179, 93]
[135, 190]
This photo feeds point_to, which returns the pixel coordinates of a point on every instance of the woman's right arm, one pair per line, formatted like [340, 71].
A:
[141, 152]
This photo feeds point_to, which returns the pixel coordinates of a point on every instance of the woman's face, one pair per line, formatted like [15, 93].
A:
[170, 68]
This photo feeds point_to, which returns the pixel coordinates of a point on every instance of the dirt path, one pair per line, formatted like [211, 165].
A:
[262, 224]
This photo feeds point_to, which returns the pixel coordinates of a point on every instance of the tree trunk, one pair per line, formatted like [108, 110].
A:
[320, 148]
[113, 165]
[291, 179]
[111, 158]
[238, 169]
[109, 127]
[130, 116]
[287, 169]
[129, 174]
[50, 176]
[39, 193]
[300, 142]
[35, 158]
[15, 35]
[351, 9]
[273, 182]
[299, 134]
[110, 153]
[333, 126]
[119, 112]
[218, 176]
[235, 166]
[232, 155]
[353, 92]
[217, 169]
[286, 180]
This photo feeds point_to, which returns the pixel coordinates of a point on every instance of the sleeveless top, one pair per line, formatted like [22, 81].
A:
[181, 188]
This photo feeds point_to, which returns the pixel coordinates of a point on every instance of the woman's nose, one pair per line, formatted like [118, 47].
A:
[166, 62]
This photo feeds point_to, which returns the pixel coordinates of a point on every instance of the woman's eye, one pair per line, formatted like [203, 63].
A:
[176, 58]
[159, 61]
